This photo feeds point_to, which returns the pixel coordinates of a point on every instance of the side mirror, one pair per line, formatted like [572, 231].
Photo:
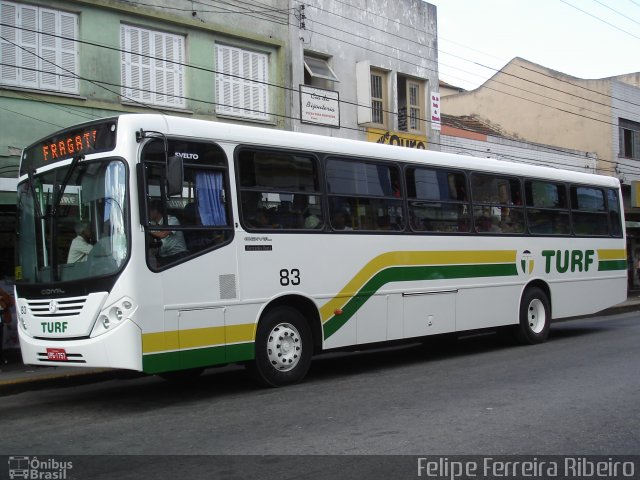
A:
[175, 176]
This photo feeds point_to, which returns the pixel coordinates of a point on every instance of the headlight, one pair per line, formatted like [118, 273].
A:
[113, 315]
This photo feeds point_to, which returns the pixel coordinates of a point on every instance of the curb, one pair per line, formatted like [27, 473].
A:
[64, 379]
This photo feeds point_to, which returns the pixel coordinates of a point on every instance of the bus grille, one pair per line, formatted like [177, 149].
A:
[58, 307]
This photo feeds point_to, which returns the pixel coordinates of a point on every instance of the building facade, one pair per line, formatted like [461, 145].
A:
[65, 62]
[468, 136]
[365, 70]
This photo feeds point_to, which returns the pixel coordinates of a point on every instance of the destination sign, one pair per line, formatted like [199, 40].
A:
[83, 140]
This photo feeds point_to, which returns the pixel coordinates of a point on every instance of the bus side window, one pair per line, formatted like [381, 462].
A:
[588, 212]
[438, 200]
[367, 193]
[614, 213]
[279, 190]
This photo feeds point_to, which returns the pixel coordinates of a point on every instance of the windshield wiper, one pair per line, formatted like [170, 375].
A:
[63, 186]
[58, 192]
[36, 200]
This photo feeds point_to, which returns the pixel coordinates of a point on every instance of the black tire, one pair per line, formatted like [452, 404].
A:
[535, 317]
[283, 348]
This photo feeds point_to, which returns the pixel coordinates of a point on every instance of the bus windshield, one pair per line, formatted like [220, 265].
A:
[73, 222]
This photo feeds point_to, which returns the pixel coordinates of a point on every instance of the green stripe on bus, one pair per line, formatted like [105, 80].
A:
[409, 274]
[197, 357]
[608, 265]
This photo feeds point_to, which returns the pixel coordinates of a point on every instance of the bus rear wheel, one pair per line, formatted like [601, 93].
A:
[283, 348]
[535, 317]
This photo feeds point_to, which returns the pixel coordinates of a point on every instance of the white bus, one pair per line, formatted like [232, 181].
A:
[213, 243]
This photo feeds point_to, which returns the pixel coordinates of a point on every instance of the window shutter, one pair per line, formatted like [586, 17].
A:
[363, 91]
[40, 50]
[27, 59]
[149, 69]
[48, 51]
[144, 66]
[240, 83]
[177, 71]
[69, 52]
[223, 83]
[159, 68]
[132, 68]
[8, 52]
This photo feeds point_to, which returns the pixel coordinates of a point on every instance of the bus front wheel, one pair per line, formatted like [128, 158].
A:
[283, 348]
[535, 317]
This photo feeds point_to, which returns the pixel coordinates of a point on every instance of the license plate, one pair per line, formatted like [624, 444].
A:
[57, 354]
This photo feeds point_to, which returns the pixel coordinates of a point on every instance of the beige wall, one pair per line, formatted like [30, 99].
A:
[533, 103]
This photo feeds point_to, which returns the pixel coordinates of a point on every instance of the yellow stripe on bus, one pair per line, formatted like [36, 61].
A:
[197, 338]
[413, 258]
[618, 254]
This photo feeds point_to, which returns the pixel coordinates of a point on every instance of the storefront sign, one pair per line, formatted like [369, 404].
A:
[401, 139]
[436, 121]
[319, 106]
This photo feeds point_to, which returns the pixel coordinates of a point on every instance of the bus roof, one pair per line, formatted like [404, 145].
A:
[263, 136]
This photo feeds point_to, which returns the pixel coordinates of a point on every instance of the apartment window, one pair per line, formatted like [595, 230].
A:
[318, 72]
[410, 105]
[241, 83]
[152, 67]
[38, 48]
[378, 98]
[629, 133]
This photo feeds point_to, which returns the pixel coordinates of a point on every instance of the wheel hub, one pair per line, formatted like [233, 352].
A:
[284, 347]
[536, 316]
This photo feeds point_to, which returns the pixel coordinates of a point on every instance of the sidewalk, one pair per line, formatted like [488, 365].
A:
[16, 377]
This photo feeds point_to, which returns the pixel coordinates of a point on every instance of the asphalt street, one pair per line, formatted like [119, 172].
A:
[577, 394]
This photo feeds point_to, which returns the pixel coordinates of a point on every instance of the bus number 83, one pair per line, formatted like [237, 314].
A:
[289, 277]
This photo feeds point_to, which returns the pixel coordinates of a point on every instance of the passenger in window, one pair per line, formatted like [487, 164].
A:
[172, 244]
[312, 221]
[341, 221]
[304, 211]
[487, 224]
[261, 220]
[82, 245]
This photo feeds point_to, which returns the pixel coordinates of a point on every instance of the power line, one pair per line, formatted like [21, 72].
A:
[31, 117]
[616, 11]
[571, 94]
[120, 50]
[496, 90]
[483, 152]
[74, 75]
[601, 20]
[213, 71]
[525, 159]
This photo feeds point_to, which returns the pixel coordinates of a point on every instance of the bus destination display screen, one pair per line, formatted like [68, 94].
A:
[83, 140]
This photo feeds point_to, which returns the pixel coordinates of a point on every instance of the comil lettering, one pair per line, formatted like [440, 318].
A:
[564, 260]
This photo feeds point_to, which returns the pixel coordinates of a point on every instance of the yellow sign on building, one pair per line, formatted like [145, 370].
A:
[635, 194]
[402, 139]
